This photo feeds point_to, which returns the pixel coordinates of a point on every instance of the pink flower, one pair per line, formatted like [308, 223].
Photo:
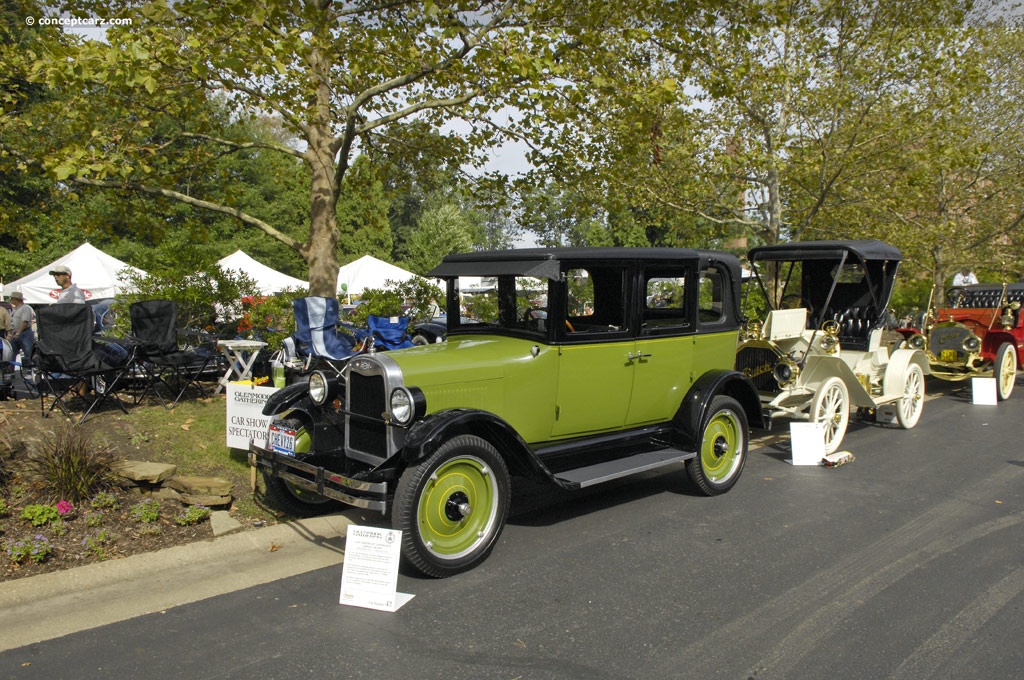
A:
[64, 508]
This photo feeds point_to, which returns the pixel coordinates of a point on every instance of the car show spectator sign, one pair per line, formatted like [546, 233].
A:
[245, 419]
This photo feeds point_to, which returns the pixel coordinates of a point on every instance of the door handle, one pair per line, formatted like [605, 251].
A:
[638, 355]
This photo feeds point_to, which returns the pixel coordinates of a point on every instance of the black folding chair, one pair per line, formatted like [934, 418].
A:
[69, 366]
[154, 327]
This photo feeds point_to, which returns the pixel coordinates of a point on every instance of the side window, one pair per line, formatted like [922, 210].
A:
[665, 302]
[595, 300]
[712, 296]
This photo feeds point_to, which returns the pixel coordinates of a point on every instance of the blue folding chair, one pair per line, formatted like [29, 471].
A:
[316, 330]
[390, 332]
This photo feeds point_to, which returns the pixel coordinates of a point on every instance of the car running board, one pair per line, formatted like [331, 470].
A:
[622, 467]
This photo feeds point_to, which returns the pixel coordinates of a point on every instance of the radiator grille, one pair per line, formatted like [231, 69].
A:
[366, 398]
[949, 338]
[757, 363]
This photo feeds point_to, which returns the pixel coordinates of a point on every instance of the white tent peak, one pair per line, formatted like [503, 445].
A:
[92, 270]
[369, 272]
[268, 280]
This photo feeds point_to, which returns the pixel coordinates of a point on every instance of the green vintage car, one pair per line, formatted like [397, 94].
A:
[569, 366]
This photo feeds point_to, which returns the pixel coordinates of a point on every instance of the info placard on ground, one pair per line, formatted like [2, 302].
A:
[369, 575]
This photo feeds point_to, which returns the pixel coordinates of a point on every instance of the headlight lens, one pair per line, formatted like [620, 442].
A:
[786, 372]
[972, 343]
[916, 341]
[401, 406]
[318, 388]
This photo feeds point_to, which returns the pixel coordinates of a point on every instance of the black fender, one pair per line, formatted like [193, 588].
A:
[326, 426]
[430, 330]
[286, 398]
[428, 434]
[692, 415]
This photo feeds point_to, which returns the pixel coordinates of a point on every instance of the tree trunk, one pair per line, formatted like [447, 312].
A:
[322, 248]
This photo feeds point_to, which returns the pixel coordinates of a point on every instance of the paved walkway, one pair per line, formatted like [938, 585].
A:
[52, 605]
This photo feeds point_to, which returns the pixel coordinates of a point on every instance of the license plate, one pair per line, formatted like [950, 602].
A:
[947, 355]
[281, 440]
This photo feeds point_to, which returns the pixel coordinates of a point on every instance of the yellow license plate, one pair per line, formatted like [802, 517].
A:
[947, 355]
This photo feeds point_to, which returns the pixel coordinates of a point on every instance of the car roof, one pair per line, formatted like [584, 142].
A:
[544, 262]
[866, 250]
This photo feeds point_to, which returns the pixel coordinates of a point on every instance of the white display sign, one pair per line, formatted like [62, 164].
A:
[984, 391]
[369, 575]
[808, 443]
[245, 419]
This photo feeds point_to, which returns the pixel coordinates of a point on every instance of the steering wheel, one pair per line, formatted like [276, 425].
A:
[794, 301]
[957, 296]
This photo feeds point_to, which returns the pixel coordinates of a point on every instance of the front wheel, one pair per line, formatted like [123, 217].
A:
[909, 407]
[452, 507]
[723, 448]
[831, 408]
[1006, 370]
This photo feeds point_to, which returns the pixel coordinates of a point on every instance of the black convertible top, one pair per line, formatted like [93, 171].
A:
[866, 250]
[544, 262]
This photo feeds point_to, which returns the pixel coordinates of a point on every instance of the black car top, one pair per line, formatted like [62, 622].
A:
[544, 262]
[867, 250]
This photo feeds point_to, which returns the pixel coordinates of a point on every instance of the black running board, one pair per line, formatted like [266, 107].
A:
[622, 467]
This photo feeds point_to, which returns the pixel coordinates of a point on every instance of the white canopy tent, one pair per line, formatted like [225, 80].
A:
[268, 280]
[369, 272]
[92, 270]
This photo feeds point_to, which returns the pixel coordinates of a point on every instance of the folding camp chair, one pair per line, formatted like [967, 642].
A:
[316, 331]
[163, 362]
[390, 332]
[69, 366]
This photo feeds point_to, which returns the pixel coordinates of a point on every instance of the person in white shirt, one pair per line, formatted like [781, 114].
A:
[22, 336]
[964, 277]
[69, 292]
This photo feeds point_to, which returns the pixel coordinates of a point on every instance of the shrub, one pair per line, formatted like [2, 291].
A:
[40, 515]
[4, 510]
[147, 511]
[194, 515]
[419, 294]
[36, 549]
[104, 500]
[69, 465]
[94, 545]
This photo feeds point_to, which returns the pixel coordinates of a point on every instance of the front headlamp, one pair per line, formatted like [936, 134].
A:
[916, 341]
[401, 406]
[318, 390]
[406, 405]
[786, 372]
[972, 343]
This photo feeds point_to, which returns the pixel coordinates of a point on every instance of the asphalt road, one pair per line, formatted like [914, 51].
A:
[906, 563]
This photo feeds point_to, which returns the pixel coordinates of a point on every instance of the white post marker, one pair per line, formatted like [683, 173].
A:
[807, 441]
[369, 574]
[983, 391]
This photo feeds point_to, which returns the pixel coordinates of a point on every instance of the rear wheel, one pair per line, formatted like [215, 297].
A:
[723, 448]
[452, 507]
[1006, 370]
[909, 407]
[287, 497]
[831, 408]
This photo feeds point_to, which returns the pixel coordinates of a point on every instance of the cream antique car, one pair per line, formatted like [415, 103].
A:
[819, 354]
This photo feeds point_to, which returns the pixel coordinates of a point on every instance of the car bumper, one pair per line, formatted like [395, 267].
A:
[355, 492]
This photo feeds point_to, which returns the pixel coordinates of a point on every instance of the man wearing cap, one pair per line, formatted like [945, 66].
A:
[69, 292]
[21, 319]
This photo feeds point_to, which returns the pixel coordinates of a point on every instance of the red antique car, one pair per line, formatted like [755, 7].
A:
[980, 335]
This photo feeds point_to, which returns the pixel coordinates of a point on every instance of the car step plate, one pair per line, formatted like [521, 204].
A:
[623, 467]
